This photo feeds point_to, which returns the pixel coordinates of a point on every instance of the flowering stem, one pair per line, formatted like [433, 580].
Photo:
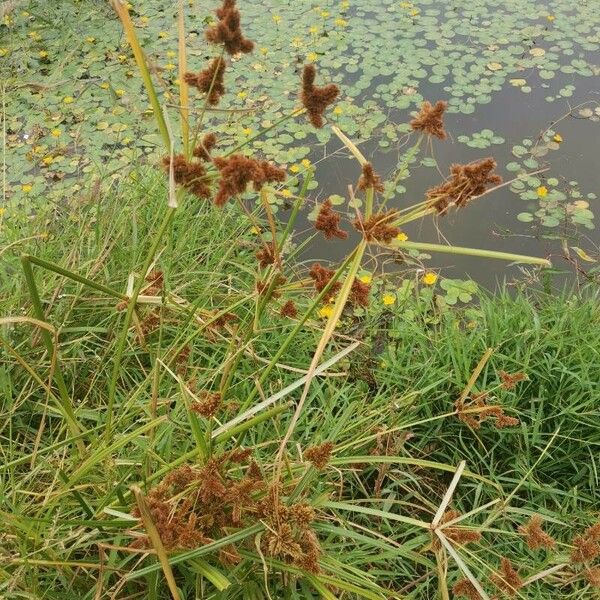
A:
[112, 386]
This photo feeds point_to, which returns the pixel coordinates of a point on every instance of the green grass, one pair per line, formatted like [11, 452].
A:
[387, 407]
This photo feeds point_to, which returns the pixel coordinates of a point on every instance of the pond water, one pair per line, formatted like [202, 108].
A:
[521, 79]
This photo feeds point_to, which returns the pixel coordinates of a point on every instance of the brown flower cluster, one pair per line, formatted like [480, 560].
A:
[208, 405]
[465, 182]
[210, 81]
[465, 589]
[510, 381]
[192, 506]
[289, 310]
[458, 535]
[534, 535]
[156, 280]
[316, 99]
[430, 119]
[267, 255]
[586, 546]
[359, 293]
[507, 579]
[270, 286]
[319, 455]
[369, 178]
[377, 228]
[592, 576]
[191, 175]
[237, 171]
[205, 147]
[322, 276]
[478, 411]
[289, 535]
[328, 221]
[227, 30]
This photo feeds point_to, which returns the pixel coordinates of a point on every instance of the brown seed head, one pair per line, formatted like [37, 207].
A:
[465, 589]
[370, 178]
[237, 171]
[534, 535]
[378, 228]
[321, 276]
[319, 455]
[205, 147]
[289, 310]
[316, 99]
[191, 175]
[430, 119]
[227, 30]
[507, 579]
[266, 255]
[210, 80]
[328, 221]
[465, 182]
[592, 576]
[208, 405]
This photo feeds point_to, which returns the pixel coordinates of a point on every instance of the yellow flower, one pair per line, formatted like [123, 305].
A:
[341, 22]
[405, 4]
[144, 19]
[27, 187]
[264, 51]
[3, 51]
[324, 13]
[34, 35]
[297, 42]
[365, 278]
[122, 57]
[338, 110]
[314, 30]
[287, 193]
[558, 138]
[247, 130]
[104, 85]
[48, 160]
[254, 230]
[162, 34]
[56, 133]
[170, 67]
[171, 54]
[389, 299]
[126, 140]
[276, 19]
[90, 39]
[414, 13]
[242, 95]
[306, 163]
[120, 92]
[550, 17]
[326, 311]
[312, 56]
[68, 99]
[345, 5]
[295, 168]
[542, 191]
[429, 278]
[401, 237]
[43, 54]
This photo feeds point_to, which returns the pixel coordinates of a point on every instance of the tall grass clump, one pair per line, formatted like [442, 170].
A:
[193, 413]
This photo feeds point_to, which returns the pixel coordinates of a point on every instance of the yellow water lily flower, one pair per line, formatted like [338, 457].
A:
[341, 22]
[389, 299]
[286, 193]
[550, 17]
[314, 29]
[312, 56]
[326, 311]
[56, 133]
[27, 187]
[429, 278]
[306, 163]
[324, 13]
[43, 54]
[295, 168]
[276, 19]
[120, 92]
[68, 99]
[402, 237]
[365, 279]
[241, 95]
[542, 191]
[558, 138]
[338, 110]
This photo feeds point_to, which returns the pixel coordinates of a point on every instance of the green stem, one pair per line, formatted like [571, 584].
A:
[65, 399]
[112, 386]
[519, 258]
